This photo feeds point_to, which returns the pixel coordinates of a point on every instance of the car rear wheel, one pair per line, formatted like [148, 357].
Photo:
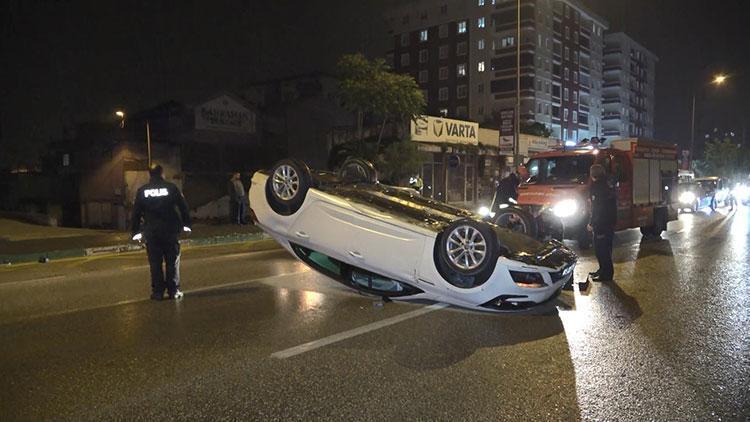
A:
[356, 170]
[468, 248]
[287, 186]
[516, 219]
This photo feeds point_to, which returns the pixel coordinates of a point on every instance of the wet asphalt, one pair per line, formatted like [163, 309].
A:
[668, 340]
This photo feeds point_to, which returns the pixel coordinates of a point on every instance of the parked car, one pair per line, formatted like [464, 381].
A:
[392, 242]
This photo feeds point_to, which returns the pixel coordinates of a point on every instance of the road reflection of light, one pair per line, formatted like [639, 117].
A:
[575, 320]
[310, 300]
[739, 231]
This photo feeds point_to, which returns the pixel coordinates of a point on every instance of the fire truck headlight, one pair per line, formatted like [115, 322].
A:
[687, 197]
[741, 192]
[565, 208]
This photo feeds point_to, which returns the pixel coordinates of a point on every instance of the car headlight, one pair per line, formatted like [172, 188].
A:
[565, 208]
[483, 211]
[687, 197]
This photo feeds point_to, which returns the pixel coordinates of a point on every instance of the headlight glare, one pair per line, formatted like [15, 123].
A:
[687, 197]
[483, 211]
[565, 208]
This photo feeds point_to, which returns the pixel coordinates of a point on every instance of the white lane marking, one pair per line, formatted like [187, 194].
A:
[325, 341]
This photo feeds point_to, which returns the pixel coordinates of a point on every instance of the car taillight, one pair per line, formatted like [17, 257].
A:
[528, 280]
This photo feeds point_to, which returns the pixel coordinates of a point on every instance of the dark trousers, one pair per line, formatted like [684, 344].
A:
[164, 250]
[603, 249]
[238, 210]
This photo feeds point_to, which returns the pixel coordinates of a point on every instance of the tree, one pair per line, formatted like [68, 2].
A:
[727, 159]
[368, 87]
[535, 128]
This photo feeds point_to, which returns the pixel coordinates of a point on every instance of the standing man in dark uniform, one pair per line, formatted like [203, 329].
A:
[158, 203]
[603, 220]
[506, 190]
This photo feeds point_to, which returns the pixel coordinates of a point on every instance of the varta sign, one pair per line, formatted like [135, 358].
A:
[439, 130]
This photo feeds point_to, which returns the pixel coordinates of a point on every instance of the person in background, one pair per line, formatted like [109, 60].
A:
[602, 224]
[507, 189]
[156, 218]
[237, 199]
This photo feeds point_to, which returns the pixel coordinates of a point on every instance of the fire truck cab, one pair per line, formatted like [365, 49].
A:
[554, 200]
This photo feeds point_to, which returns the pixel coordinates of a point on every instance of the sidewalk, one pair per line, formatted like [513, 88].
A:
[24, 242]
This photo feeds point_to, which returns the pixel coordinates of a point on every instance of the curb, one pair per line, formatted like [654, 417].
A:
[128, 247]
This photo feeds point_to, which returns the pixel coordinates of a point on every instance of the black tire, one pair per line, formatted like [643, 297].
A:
[468, 247]
[287, 186]
[356, 170]
[516, 219]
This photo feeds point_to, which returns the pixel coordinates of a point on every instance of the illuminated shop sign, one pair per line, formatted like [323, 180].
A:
[439, 129]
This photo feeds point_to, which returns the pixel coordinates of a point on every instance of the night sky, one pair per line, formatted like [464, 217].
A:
[69, 61]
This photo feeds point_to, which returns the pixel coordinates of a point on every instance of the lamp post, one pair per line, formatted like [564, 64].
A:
[121, 115]
[517, 117]
[718, 80]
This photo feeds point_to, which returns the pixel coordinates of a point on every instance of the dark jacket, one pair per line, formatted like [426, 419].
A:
[158, 203]
[603, 206]
[507, 188]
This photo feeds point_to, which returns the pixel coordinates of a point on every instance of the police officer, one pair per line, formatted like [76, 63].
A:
[158, 203]
[603, 220]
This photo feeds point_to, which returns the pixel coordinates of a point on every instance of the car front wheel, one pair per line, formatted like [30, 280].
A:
[466, 253]
[287, 186]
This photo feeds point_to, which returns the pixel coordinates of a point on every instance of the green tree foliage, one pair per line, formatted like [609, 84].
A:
[369, 89]
[535, 128]
[727, 159]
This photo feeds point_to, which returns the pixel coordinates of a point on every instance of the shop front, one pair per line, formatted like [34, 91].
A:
[463, 161]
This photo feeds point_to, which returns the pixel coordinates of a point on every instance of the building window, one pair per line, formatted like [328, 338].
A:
[461, 48]
[575, 57]
[461, 69]
[575, 96]
[565, 114]
[443, 73]
[480, 88]
[539, 85]
[480, 22]
[443, 112]
[507, 42]
[462, 27]
[539, 108]
[423, 35]
[443, 31]
[461, 111]
[423, 76]
[567, 32]
[480, 3]
[480, 44]
[404, 40]
[565, 94]
[461, 91]
[443, 52]
[575, 76]
[540, 39]
[546, 106]
[567, 73]
[405, 59]
[480, 67]
[443, 94]
[575, 116]
[423, 56]
[567, 53]
[546, 87]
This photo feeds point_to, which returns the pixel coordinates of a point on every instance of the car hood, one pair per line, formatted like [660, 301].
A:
[520, 247]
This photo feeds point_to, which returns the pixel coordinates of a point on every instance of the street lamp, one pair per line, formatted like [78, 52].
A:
[121, 115]
[718, 80]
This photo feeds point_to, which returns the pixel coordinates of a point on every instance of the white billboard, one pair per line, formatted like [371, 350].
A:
[225, 114]
[442, 130]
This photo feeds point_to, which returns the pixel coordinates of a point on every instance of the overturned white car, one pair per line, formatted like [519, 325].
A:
[392, 242]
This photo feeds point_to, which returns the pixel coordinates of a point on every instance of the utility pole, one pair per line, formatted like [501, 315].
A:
[148, 142]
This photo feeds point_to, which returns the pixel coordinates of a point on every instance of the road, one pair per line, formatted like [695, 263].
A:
[260, 337]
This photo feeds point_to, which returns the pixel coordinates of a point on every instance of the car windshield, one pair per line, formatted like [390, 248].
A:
[569, 169]
[707, 185]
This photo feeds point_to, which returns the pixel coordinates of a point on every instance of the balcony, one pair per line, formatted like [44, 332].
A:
[611, 100]
[611, 116]
[612, 84]
[613, 68]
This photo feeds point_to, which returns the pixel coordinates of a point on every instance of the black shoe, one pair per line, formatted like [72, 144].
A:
[594, 273]
[157, 296]
[177, 295]
[600, 278]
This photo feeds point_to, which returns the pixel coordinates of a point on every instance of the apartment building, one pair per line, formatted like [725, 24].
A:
[628, 89]
[463, 55]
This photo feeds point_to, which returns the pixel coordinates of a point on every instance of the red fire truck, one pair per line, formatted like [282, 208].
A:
[554, 193]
